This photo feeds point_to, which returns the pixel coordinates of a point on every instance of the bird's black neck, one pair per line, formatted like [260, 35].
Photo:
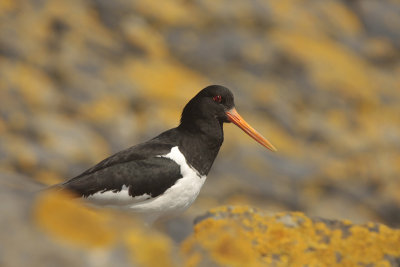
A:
[201, 141]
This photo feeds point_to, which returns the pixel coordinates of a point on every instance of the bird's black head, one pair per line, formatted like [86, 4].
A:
[210, 108]
[211, 103]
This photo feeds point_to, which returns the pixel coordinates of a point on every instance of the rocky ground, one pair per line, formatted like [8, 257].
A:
[243, 236]
[52, 229]
[80, 80]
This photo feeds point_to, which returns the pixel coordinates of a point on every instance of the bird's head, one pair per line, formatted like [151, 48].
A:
[216, 102]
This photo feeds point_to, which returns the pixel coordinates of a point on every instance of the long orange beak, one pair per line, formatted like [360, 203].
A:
[234, 117]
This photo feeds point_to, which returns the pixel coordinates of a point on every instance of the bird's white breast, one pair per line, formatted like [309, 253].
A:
[173, 201]
[178, 197]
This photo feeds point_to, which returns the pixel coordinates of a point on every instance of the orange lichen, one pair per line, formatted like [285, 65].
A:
[47, 177]
[168, 12]
[7, 6]
[141, 34]
[329, 64]
[65, 218]
[290, 239]
[144, 253]
[227, 245]
[25, 154]
[153, 77]
[103, 109]
[340, 18]
[165, 80]
[30, 81]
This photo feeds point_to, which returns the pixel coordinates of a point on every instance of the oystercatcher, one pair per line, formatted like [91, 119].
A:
[162, 177]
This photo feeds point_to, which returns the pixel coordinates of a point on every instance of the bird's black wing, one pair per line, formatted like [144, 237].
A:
[141, 168]
[134, 153]
[152, 176]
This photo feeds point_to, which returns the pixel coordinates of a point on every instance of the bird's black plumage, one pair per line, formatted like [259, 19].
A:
[138, 167]
[198, 137]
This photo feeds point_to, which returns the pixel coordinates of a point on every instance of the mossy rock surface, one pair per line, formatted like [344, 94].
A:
[51, 229]
[244, 236]
[39, 228]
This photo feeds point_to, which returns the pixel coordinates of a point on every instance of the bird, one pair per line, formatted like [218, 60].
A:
[162, 177]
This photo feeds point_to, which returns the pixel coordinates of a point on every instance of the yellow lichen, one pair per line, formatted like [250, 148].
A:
[25, 152]
[33, 85]
[47, 177]
[332, 66]
[341, 18]
[167, 12]
[139, 33]
[165, 80]
[65, 218]
[7, 6]
[144, 253]
[290, 239]
[153, 77]
[103, 109]
[226, 245]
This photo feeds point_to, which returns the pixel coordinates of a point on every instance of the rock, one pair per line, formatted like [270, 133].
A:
[51, 229]
[44, 228]
[320, 79]
[244, 236]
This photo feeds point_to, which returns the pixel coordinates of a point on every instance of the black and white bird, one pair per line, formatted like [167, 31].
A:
[162, 177]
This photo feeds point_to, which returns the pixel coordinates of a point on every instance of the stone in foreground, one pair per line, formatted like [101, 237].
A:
[243, 236]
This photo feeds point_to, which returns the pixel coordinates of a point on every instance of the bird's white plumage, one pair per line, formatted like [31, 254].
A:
[177, 198]
[173, 201]
[120, 198]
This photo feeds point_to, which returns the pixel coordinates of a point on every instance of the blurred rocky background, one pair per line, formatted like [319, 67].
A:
[80, 80]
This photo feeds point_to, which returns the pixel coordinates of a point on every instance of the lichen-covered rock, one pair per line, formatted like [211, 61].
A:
[243, 236]
[83, 79]
[51, 229]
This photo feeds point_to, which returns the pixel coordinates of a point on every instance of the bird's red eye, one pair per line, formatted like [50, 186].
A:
[217, 98]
